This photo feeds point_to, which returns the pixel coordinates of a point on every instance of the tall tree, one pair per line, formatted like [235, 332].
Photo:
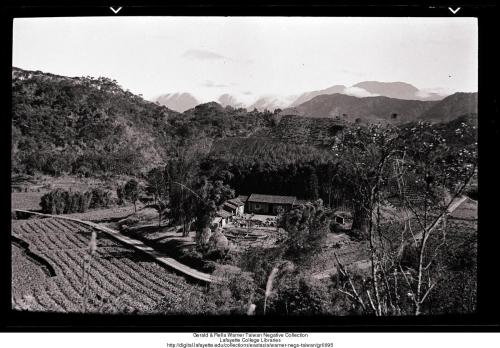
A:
[307, 227]
[366, 155]
[428, 177]
[157, 186]
[180, 173]
[212, 194]
[131, 191]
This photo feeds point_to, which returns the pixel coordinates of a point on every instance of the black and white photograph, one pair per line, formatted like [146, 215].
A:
[244, 166]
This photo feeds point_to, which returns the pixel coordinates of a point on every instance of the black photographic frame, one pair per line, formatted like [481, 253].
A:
[486, 318]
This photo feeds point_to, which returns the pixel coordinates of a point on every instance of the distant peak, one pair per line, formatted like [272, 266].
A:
[398, 90]
[178, 101]
[382, 83]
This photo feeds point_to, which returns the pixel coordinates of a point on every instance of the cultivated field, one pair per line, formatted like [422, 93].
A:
[105, 215]
[26, 200]
[120, 279]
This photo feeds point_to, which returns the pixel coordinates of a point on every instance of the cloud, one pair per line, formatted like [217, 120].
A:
[358, 92]
[203, 55]
[351, 72]
[211, 84]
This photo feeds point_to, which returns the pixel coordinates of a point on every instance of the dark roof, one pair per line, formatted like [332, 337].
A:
[229, 206]
[223, 213]
[236, 201]
[254, 197]
[242, 198]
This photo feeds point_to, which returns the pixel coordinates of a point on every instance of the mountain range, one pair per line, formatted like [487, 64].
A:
[384, 109]
[88, 125]
[398, 90]
[450, 107]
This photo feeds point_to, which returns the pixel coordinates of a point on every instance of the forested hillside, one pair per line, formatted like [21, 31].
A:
[86, 125]
[322, 132]
[91, 126]
[267, 165]
[386, 110]
[451, 107]
[82, 125]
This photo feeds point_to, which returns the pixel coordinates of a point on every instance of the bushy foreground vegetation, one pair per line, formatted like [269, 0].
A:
[61, 201]
[267, 282]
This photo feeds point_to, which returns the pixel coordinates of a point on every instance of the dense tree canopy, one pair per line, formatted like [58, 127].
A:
[307, 226]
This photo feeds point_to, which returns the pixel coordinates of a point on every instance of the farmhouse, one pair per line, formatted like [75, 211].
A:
[222, 218]
[255, 203]
[234, 206]
[268, 204]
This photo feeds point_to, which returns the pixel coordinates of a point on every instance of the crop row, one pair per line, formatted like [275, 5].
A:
[116, 282]
[26, 276]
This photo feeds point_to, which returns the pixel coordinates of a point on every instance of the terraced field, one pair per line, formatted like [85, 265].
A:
[48, 260]
[319, 132]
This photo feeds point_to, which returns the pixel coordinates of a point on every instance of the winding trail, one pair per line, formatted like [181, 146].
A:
[137, 245]
[453, 206]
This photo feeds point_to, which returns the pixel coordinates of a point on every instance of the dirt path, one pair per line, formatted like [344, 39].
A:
[137, 245]
[450, 210]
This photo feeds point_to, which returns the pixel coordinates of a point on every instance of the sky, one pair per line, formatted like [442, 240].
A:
[250, 56]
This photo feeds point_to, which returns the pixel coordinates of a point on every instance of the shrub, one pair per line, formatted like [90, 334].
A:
[120, 193]
[298, 294]
[54, 202]
[100, 198]
[60, 201]
[129, 192]
[190, 303]
[235, 293]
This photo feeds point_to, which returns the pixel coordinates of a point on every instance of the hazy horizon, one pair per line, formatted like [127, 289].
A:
[252, 56]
